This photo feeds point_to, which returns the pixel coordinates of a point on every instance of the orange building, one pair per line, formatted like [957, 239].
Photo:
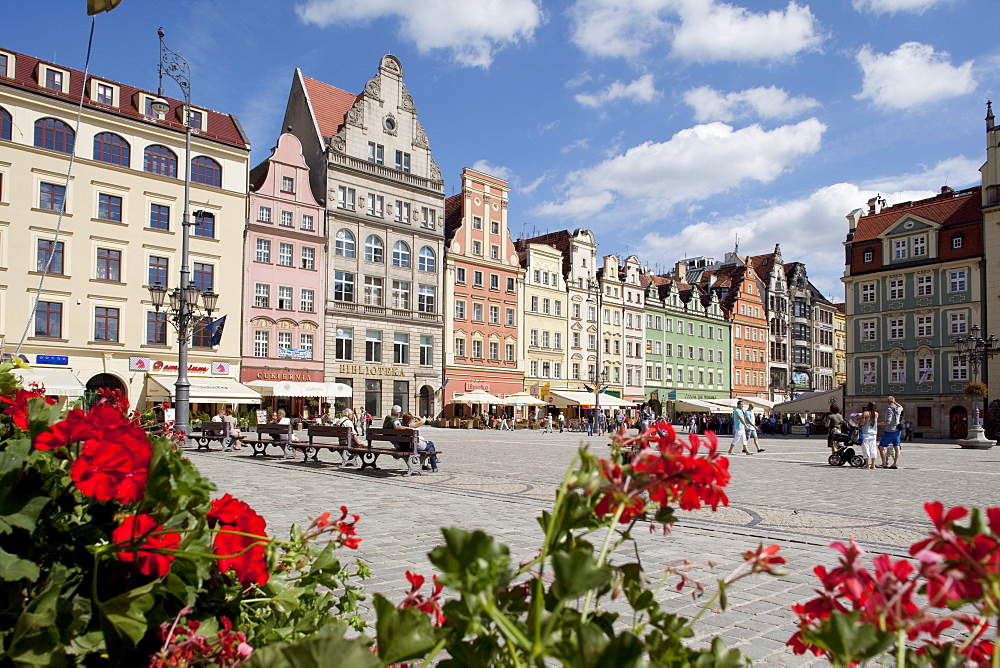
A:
[741, 295]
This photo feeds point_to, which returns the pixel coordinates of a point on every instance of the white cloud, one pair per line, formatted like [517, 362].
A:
[712, 32]
[893, 6]
[650, 179]
[583, 143]
[498, 171]
[641, 90]
[701, 30]
[531, 187]
[772, 102]
[912, 75]
[472, 30]
[960, 172]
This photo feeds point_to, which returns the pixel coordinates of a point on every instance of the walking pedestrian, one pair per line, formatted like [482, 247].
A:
[833, 421]
[892, 433]
[869, 428]
[908, 431]
[751, 427]
[739, 429]
[562, 422]
[602, 423]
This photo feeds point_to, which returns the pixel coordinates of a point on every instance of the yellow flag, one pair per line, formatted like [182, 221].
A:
[98, 6]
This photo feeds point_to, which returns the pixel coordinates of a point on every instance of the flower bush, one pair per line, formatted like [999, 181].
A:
[976, 389]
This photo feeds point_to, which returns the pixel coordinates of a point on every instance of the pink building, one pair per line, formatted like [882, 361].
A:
[483, 293]
[284, 279]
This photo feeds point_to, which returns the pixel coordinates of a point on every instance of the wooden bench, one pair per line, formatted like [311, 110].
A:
[211, 431]
[266, 434]
[404, 446]
[341, 444]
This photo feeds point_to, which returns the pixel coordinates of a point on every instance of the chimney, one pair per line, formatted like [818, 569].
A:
[946, 192]
[853, 218]
[681, 271]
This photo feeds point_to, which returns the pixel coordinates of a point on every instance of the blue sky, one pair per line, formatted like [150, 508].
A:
[669, 127]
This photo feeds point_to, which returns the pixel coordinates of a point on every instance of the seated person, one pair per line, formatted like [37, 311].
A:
[234, 431]
[281, 419]
[348, 421]
[411, 421]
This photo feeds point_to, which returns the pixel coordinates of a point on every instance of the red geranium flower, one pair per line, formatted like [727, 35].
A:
[114, 460]
[138, 528]
[18, 410]
[76, 427]
[429, 604]
[243, 553]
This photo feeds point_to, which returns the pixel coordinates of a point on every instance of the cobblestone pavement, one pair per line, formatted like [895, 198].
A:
[500, 481]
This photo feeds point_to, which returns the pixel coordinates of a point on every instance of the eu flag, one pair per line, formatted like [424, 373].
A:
[215, 329]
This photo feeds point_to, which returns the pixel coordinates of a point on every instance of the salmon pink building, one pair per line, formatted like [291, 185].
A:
[284, 279]
[483, 293]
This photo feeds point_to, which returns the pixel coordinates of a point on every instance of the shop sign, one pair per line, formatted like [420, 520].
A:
[160, 365]
[220, 368]
[371, 370]
[800, 379]
[51, 359]
[140, 363]
[285, 375]
[477, 385]
[295, 353]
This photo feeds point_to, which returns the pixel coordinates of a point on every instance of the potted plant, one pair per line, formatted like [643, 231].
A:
[976, 390]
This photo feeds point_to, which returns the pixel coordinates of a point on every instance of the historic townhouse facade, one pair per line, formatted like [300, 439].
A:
[545, 329]
[370, 161]
[612, 316]
[839, 346]
[991, 240]
[913, 283]
[484, 285]
[284, 276]
[120, 233]
[777, 307]
[687, 343]
[811, 332]
[633, 329]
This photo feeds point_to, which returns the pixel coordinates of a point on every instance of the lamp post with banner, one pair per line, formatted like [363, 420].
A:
[184, 307]
[598, 376]
[976, 352]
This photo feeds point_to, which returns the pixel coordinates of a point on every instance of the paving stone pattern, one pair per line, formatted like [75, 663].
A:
[499, 481]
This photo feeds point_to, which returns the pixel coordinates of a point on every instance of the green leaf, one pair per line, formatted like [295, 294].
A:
[402, 634]
[21, 513]
[719, 657]
[14, 568]
[127, 612]
[577, 573]
[470, 561]
[849, 640]
[36, 640]
[624, 651]
[327, 648]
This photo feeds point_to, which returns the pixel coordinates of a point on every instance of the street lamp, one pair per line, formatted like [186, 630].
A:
[184, 307]
[976, 352]
[598, 377]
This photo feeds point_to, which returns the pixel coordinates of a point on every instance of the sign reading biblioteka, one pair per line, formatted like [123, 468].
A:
[371, 370]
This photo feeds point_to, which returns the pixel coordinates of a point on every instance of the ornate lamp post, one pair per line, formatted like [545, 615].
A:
[976, 351]
[598, 376]
[184, 307]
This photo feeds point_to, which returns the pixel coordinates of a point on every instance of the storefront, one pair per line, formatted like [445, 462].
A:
[578, 404]
[57, 380]
[305, 399]
[207, 394]
[462, 381]
[378, 387]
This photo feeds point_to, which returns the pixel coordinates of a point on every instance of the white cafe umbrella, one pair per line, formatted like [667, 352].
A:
[477, 397]
[523, 399]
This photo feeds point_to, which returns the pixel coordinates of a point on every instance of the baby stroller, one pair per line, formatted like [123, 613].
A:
[846, 444]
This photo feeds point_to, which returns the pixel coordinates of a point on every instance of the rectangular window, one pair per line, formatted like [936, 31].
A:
[204, 226]
[899, 249]
[263, 252]
[344, 343]
[477, 223]
[956, 281]
[402, 212]
[106, 324]
[925, 370]
[897, 371]
[51, 197]
[477, 248]
[264, 214]
[401, 348]
[426, 299]
[203, 276]
[924, 285]
[373, 395]
[158, 269]
[284, 341]
[376, 153]
[159, 216]
[401, 394]
[494, 315]
[557, 340]
[306, 342]
[48, 320]
[287, 219]
[261, 343]
[959, 368]
[401, 295]
[896, 289]
[109, 265]
[285, 254]
[509, 349]
[477, 349]
[919, 246]
[308, 257]
[343, 286]
[460, 275]
[284, 298]
[896, 328]
[373, 345]
[460, 309]
[287, 184]
[307, 300]
[494, 282]
[494, 252]
[494, 351]
[105, 95]
[477, 312]
[53, 79]
[868, 293]
[307, 222]
[373, 291]
[958, 323]
[868, 372]
[345, 198]
[402, 161]
[156, 328]
[262, 295]
[426, 351]
[56, 250]
[510, 317]
[925, 327]
[460, 347]
[376, 205]
[477, 279]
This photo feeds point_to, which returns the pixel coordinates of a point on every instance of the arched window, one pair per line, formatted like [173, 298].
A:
[207, 171]
[6, 124]
[109, 147]
[426, 260]
[344, 244]
[374, 250]
[400, 255]
[160, 160]
[54, 134]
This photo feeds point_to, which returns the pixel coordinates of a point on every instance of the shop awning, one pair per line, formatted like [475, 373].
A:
[697, 406]
[208, 390]
[57, 382]
[288, 388]
[812, 402]
[565, 398]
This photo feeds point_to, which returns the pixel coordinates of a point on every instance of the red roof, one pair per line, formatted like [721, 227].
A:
[218, 126]
[329, 105]
[945, 209]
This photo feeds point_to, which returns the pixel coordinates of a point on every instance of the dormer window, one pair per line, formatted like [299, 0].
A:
[957, 240]
[197, 119]
[6, 65]
[869, 256]
[103, 93]
[54, 79]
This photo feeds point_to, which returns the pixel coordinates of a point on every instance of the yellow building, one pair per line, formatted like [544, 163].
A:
[544, 333]
[839, 346]
[91, 324]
